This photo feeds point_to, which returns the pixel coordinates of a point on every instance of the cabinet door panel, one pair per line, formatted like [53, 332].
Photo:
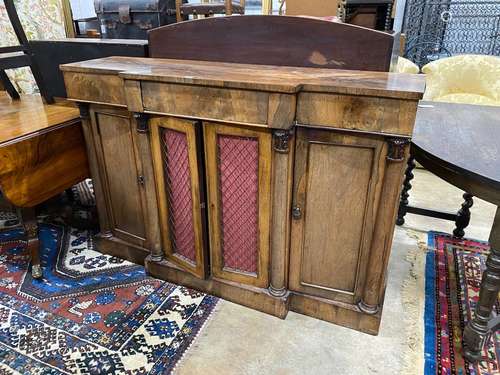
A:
[238, 169]
[180, 191]
[336, 187]
[121, 175]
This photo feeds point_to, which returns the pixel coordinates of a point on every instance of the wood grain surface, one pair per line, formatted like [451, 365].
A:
[280, 79]
[274, 40]
[42, 150]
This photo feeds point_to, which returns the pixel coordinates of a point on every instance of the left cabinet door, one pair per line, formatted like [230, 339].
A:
[176, 144]
[121, 174]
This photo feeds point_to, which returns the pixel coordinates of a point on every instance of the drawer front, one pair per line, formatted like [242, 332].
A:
[371, 114]
[238, 163]
[121, 173]
[337, 185]
[274, 110]
[95, 88]
[179, 182]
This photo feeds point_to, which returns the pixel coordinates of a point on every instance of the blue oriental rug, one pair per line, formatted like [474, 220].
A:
[91, 313]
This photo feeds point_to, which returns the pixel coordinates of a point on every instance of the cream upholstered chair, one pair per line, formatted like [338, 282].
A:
[471, 79]
[406, 66]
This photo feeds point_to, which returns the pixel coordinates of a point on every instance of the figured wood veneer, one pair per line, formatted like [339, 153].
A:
[39, 143]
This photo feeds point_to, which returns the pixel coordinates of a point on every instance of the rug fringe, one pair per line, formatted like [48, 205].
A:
[201, 332]
[413, 300]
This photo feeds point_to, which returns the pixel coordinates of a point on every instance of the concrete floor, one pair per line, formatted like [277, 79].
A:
[238, 340]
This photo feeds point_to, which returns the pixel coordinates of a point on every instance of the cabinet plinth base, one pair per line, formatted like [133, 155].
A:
[116, 247]
[255, 298]
[343, 314]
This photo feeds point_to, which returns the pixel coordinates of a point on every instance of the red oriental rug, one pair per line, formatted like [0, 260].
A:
[91, 313]
[453, 276]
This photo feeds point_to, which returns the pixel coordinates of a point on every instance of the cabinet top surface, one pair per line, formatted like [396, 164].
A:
[257, 77]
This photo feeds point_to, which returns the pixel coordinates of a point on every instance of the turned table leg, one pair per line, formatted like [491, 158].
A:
[463, 216]
[30, 225]
[480, 327]
[403, 204]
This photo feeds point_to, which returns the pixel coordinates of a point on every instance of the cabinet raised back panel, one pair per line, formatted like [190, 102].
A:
[117, 152]
[336, 178]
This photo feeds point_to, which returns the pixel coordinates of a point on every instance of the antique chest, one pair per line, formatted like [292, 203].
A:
[132, 19]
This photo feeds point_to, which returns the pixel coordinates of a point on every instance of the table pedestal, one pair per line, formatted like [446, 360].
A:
[479, 329]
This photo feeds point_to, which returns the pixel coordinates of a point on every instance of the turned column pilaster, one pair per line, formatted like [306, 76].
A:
[90, 141]
[384, 227]
[281, 203]
[151, 219]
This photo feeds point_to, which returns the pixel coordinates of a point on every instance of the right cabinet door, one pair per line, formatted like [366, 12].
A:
[337, 184]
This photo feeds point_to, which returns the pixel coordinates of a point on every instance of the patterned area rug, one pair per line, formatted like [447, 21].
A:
[453, 276]
[91, 313]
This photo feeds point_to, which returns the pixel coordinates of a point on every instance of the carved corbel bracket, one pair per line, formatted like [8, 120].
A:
[281, 140]
[397, 148]
[142, 122]
[84, 110]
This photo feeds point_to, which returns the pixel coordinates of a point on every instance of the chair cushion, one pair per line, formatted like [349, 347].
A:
[461, 75]
[467, 98]
[406, 66]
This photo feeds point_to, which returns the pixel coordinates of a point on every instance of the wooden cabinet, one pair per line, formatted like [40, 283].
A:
[337, 185]
[122, 181]
[272, 187]
[238, 168]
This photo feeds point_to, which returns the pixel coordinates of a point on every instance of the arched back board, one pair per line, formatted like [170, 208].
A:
[274, 40]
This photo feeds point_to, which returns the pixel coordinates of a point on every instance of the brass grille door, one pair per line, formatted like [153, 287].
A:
[180, 191]
[238, 161]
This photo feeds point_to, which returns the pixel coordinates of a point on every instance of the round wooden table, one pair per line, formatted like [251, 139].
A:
[460, 143]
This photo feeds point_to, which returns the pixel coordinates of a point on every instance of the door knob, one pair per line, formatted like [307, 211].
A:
[296, 212]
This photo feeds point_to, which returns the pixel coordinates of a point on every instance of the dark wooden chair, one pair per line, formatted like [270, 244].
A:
[208, 9]
[19, 56]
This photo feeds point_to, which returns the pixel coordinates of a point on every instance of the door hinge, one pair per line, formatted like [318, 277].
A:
[140, 180]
